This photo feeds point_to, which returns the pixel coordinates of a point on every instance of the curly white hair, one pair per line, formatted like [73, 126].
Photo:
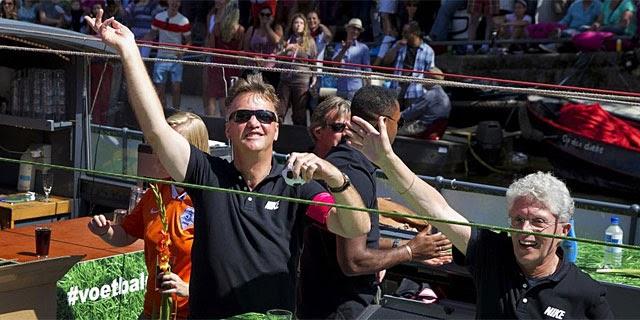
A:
[545, 188]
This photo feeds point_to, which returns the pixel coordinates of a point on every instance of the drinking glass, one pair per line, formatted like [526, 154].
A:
[47, 185]
[43, 238]
[279, 314]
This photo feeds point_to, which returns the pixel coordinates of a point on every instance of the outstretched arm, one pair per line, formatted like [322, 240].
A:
[355, 258]
[172, 149]
[424, 199]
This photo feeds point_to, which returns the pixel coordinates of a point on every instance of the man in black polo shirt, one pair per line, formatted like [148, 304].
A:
[522, 276]
[338, 275]
[246, 248]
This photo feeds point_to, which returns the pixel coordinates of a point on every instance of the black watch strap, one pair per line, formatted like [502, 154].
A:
[343, 187]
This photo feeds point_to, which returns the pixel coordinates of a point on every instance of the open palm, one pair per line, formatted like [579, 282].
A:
[374, 144]
[111, 31]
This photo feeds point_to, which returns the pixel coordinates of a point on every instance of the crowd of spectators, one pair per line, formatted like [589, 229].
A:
[394, 33]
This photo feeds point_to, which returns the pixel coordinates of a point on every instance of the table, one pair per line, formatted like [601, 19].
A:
[12, 212]
[109, 282]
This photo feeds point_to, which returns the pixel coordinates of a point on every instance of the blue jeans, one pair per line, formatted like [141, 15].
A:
[440, 28]
[163, 69]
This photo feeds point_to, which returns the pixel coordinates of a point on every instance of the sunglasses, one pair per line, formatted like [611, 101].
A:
[265, 14]
[7, 3]
[263, 116]
[337, 127]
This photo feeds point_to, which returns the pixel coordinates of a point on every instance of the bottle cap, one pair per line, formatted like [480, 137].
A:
[615, 220]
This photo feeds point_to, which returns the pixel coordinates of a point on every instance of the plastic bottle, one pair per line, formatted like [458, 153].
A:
[613, 234]
[570, 247]
[27, 171]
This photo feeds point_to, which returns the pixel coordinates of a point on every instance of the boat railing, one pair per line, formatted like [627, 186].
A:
[630, 210]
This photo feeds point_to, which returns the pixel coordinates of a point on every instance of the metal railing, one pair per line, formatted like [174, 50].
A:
[630, 210]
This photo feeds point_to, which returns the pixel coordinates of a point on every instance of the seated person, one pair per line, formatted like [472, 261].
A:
[514, 24]
[580, 16]
[618, 17]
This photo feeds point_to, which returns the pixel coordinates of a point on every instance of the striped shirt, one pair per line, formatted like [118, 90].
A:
[170, 30]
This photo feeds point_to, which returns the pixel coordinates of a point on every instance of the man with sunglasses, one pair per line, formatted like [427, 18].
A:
[338, 278]
[328, 123]
[246, 248]
[425, 108]
[518, 275]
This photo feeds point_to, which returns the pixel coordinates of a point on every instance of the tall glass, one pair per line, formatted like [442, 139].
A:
[43, 238]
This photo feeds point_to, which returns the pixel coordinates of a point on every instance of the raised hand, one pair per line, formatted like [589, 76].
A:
[111, 31]
[308, 166]
[374, 144]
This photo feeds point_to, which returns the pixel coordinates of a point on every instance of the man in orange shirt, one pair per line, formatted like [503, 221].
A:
[144, 223]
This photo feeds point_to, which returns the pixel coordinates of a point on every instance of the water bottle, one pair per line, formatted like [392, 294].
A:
[613, 234]
[26, 172]
[570, 247]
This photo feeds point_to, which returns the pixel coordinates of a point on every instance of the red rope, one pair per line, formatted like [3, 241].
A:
[381, 68]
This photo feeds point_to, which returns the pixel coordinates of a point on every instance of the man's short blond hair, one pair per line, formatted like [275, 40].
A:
[256, 86]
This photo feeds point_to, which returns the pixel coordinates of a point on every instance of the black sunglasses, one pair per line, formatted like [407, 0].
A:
[265, 14]
[263, 116]
[337, 127]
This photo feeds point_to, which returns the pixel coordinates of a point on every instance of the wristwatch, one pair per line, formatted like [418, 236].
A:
[343, 187]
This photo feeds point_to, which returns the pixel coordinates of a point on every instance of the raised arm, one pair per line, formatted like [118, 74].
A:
[343, 222]
[172, 149]
[423, 198]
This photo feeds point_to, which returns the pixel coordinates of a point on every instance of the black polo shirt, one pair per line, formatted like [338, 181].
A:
[245, 250]
[324, 289]
[505, 293]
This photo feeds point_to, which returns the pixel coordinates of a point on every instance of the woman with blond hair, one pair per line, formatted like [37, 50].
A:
[225, 32]
[144, 222]
[294, 87]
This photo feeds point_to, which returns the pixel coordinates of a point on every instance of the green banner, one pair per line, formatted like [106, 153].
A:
[107, 288]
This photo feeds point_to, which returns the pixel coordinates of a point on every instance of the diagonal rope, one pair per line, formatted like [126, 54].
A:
[310, 202]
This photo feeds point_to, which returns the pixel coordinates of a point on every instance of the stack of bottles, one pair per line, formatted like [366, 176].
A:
[39, 94]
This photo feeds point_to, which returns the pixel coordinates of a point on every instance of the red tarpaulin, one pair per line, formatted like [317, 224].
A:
[591, 121]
